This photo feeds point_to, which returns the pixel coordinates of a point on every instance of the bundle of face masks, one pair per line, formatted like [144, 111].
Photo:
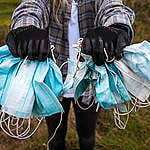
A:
[27, 90]
[115, 84]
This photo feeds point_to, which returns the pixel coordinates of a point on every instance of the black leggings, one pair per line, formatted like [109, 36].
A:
[85, 124]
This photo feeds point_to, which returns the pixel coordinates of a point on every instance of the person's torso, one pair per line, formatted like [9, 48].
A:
[58, 33]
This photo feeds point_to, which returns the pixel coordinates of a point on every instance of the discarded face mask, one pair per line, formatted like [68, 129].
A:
[83, 77]
[135, 70]
[136, 85]
[107, 84]
[47, 94]
[7, 61]
[110, 90]
[27, 92]
[78, 77]
[18, 96]
[137, 57]
[70, 75]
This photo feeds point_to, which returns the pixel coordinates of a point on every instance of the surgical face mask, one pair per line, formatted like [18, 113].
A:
[18, 97]
[4, 51]
[135, 70]
[104, 95]
[110, 91]
[17, 101]
[70, 75]
[48, 86]
[7, 61]
[137, 86]
[28, 90]
[78, 76]
[137, 57]
[83, 77]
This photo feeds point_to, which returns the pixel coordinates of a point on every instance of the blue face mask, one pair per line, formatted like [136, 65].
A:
[7, 62]
[110, 91]
[48, 86]
[83, 77]
[28, 89]
[104, 94]
[135, 69]
[77, 77]
[137, 57]
[18, 97]
[68, 84]
[136, 85]
[23, 81]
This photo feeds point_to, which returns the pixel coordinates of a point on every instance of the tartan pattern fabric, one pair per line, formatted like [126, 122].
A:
[91, 13]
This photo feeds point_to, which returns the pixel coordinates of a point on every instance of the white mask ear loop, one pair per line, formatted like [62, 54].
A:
[107, 58]
[55, 131]
[52, 48]
[11, 132]
[90, 96]
[120, 124]
[78, 47]
[140, 104]
[12, 124]
[63, 64]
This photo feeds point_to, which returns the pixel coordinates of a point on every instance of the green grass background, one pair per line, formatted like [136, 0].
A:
[108, 137]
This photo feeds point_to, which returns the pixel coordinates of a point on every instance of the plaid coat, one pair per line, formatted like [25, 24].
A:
[91, 13]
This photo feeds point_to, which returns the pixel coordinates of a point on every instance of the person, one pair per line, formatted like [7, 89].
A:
[104, 25]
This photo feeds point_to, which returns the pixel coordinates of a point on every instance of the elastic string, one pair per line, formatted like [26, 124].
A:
[55, 131]
[22, 135]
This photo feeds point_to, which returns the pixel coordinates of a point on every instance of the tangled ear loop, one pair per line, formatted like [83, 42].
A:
[117, 115]
[90, 95]
[55, 131]
[137, 103]
[14, 126]
[11, 128]
[78, 47]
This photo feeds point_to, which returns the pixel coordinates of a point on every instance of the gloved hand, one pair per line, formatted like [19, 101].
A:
[29, 41]
[105, 43]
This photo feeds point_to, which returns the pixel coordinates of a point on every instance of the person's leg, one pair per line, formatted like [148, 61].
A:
[58, 142]
[86, 125]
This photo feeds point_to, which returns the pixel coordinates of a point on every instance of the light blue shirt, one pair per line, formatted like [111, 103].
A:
[73, 36]
[73, 31]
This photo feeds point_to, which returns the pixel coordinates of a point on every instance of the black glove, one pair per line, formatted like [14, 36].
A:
[29, 41]
[102, 39]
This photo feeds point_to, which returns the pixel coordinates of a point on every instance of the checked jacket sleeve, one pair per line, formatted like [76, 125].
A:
[31, 12]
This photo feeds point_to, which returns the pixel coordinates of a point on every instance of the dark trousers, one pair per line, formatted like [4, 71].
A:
[85, 124]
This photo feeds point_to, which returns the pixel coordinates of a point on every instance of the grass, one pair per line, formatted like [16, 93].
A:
[6, 9]
[135, 137]
[137, 134]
